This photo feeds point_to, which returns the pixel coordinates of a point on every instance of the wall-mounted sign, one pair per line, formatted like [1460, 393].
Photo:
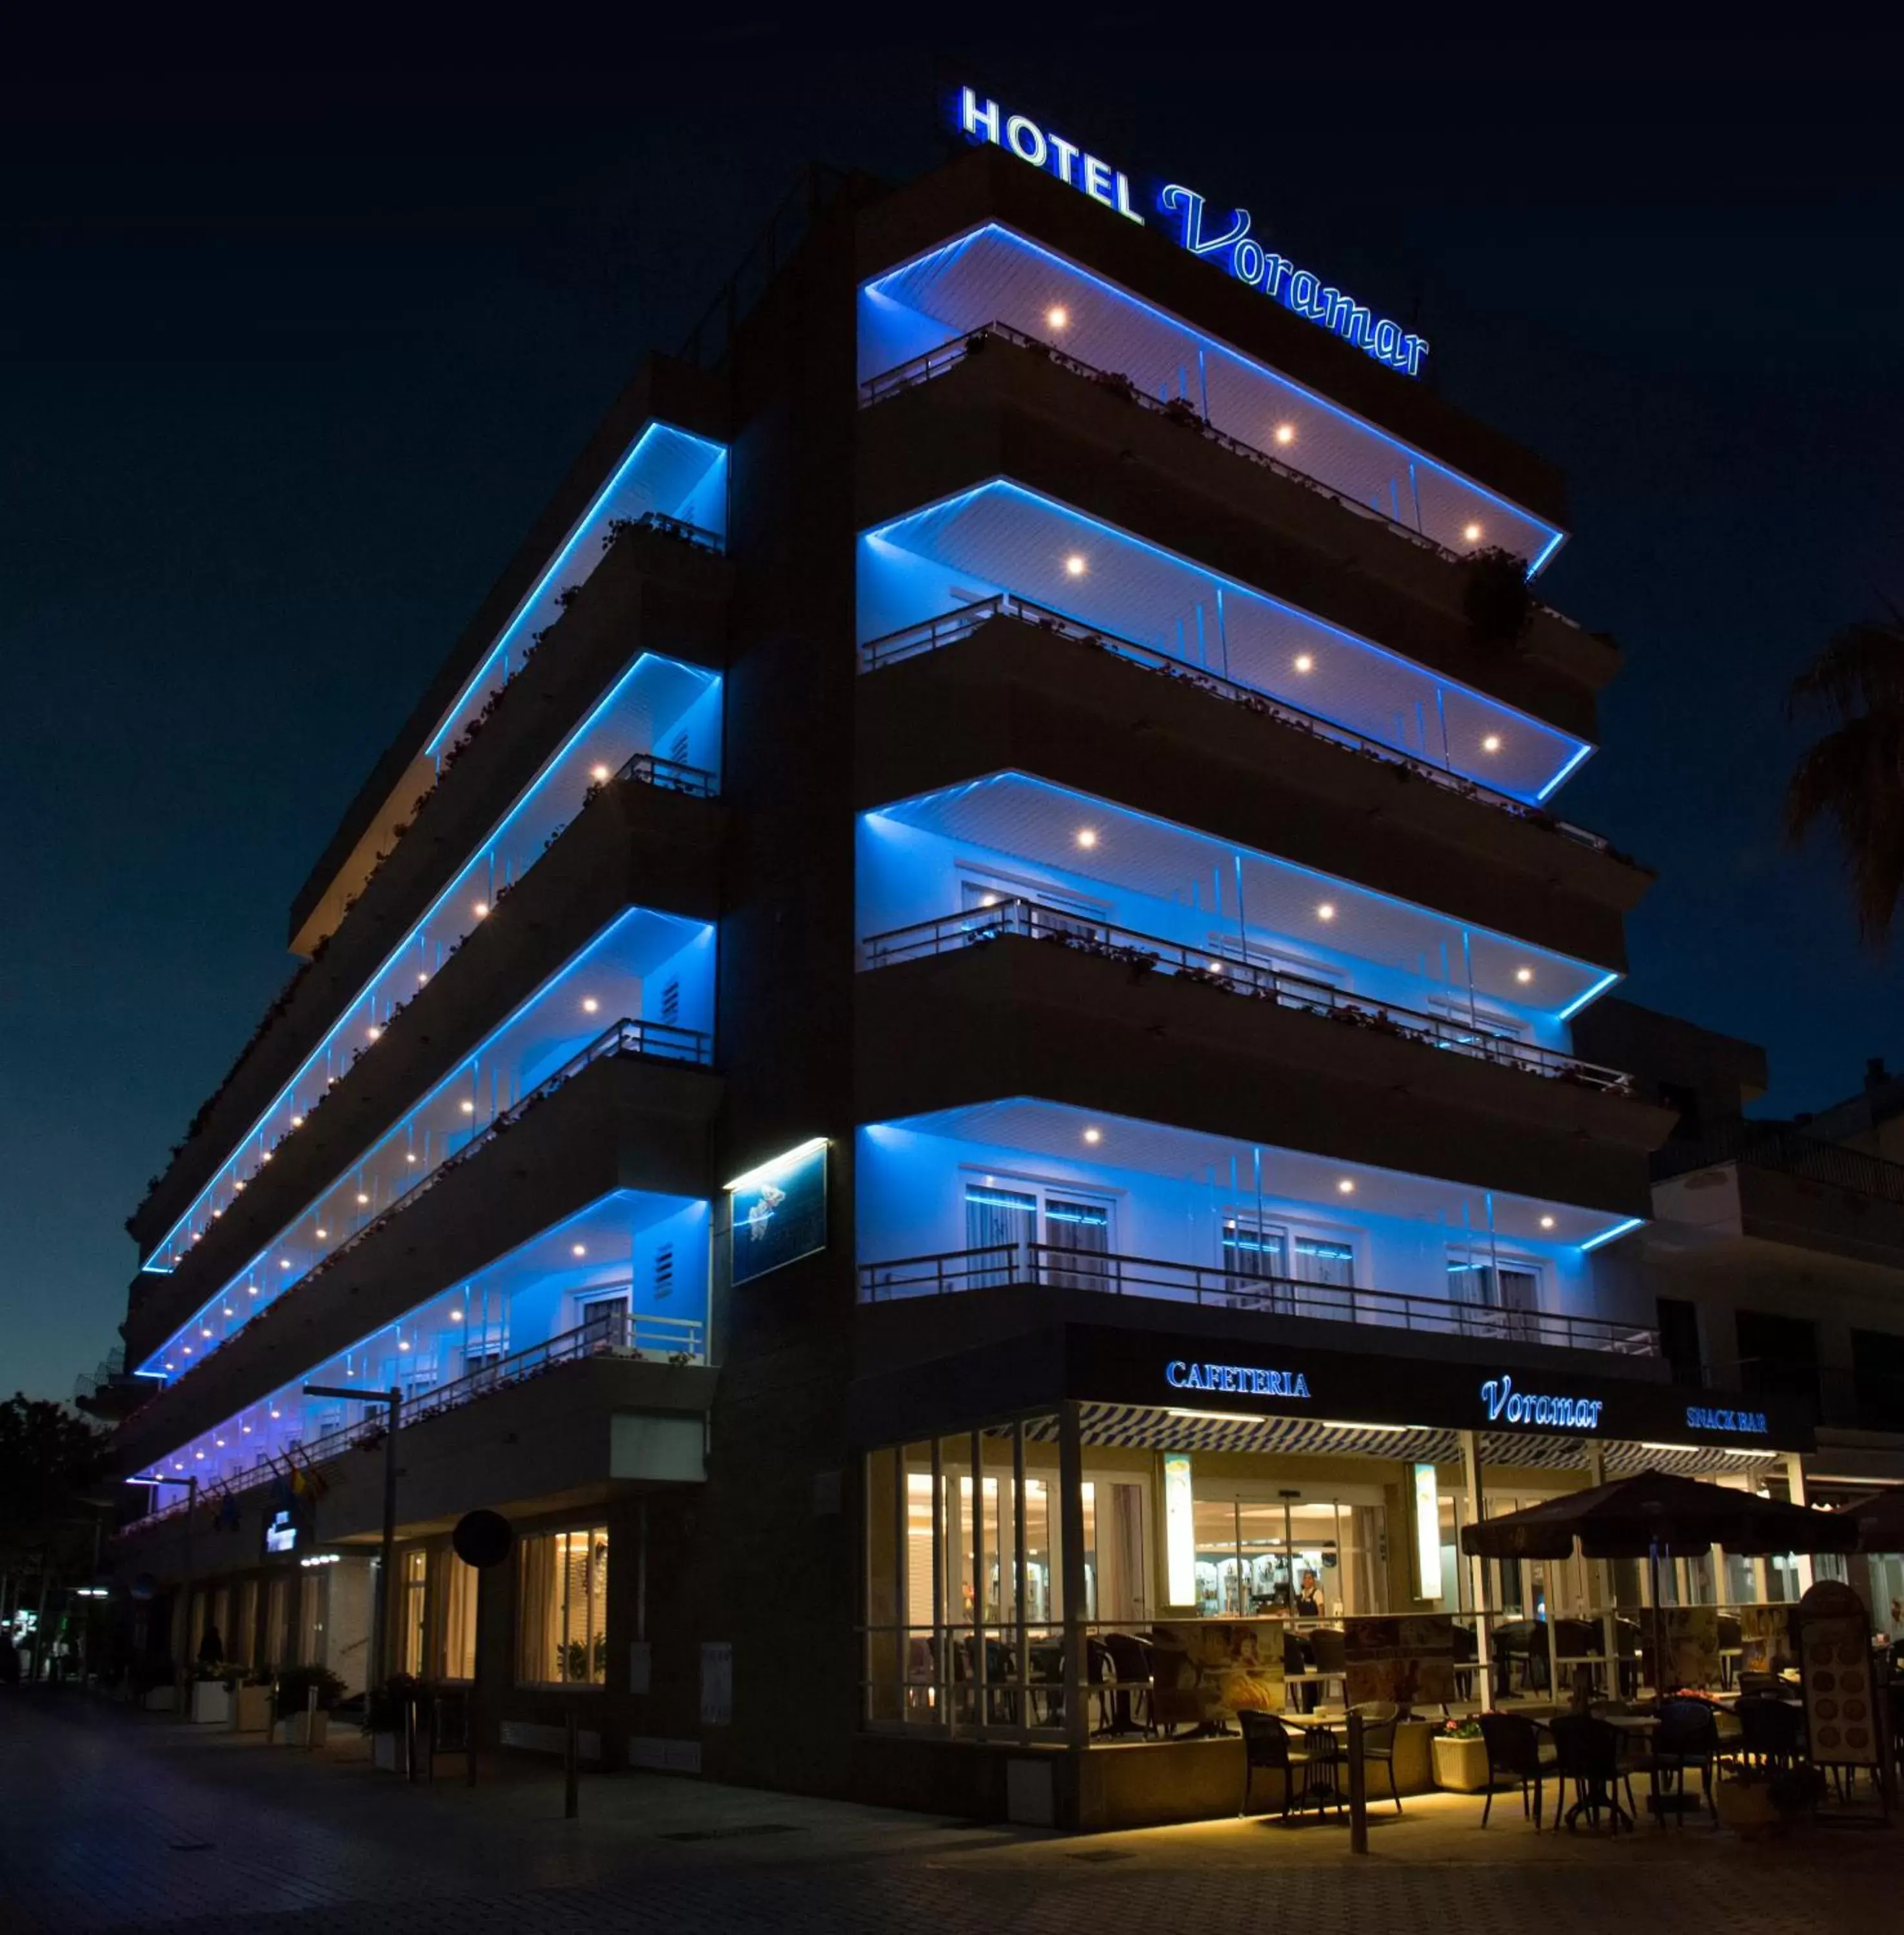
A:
[1506, 1405]
[1226, 241]
[777, 1212]
[1179, 1532]
[1247, 1380]
[281, 1532]
[1702, 1418]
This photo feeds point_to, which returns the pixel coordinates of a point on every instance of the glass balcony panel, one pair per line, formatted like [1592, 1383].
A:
[992, 276]
[659, 723]
[1001, 538]
[644, 984]
[627, 1277]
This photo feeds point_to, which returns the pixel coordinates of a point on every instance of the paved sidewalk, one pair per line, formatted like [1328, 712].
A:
[112, 1819]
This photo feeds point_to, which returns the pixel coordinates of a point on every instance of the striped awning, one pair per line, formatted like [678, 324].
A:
[1150, 1427]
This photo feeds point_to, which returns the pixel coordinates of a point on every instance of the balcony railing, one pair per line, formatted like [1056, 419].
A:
[656, 1040]
[701, 537]
[674, 1340]
[1050, 1266]
[670, 775]
[1773, 1145]
[934, 633]
[922, 369]
[1026, 919]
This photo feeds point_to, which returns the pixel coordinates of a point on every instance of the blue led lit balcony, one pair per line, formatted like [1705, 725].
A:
[1001, 539]
[659, 724]
[644, 986]
[914, 319]
[625, 1277]
[1092, 864]
[1022, 1193]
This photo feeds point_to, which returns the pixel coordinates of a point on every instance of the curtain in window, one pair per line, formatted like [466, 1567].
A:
[1251, 1252]
[1330, 1264]
[1004, 1221]
[1081, 1232]
[459, 1580]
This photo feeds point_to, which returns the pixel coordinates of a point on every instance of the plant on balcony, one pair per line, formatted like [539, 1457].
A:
[1181, 410]
[1496, 600]
[1115, 383]
[976, 342]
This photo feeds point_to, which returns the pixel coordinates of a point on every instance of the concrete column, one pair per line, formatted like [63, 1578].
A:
[1471, 1466]
[1071, 1538]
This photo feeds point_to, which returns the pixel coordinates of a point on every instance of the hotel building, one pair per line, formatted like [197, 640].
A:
[944, 1057]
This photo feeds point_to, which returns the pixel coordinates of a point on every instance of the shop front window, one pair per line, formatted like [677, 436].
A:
[562, 1623]
[459, 1583]
[416, 1609]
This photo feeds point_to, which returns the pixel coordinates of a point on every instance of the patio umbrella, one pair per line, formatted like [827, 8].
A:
[1655, 1515]
[1880, 1519]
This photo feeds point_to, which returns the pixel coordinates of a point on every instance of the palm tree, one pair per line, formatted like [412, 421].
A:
[1853, 775]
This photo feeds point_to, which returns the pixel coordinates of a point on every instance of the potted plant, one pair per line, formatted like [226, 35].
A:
[211, 1695]
[303, 1727]
[251, 1702]
[1461, 1757]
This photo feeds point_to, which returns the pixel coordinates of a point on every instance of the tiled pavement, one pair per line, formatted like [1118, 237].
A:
[110, 1820]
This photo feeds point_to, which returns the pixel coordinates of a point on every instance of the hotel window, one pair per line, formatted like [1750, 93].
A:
[604, 1322]
[1006, 1223]
[562, 1608]
[416, 1609]
[1052, 910]
[1313, 1276]
[1507, 1285]
[459, 1584]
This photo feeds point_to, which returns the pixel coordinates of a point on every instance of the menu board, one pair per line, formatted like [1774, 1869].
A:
[1841, 1716]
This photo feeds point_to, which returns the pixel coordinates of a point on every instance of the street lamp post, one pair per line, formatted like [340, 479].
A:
[182, 1668]
[380, 1601]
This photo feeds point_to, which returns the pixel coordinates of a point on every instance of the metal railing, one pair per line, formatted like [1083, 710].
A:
[933, 633]
[922, 369]
[655, 1040]
[698, 535]
[1776, 1146]
[1050, 1266]
[631, 1336]
[1019, 919]
[670, 775]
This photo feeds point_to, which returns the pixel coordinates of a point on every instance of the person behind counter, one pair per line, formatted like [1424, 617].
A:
[1308, 1596]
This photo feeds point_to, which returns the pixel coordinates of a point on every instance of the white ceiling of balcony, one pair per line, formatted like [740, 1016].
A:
[1002, 537]
[1057, 1132]
[1013, 814]
[993, 275]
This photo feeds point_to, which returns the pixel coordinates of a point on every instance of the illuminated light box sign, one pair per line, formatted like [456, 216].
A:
[1702, 1417]
[1245, 1379]
[1505, 1404]
[281, 1532]
[1226, 241]
[778, 1211]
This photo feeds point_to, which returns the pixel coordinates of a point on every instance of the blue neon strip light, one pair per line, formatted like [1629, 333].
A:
[159, 1263]
[1593, 993]
[1607, 1236]
[1559, 778]
[1311, 398]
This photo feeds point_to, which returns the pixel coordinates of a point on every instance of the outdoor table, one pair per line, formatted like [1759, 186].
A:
[1639, 1726]
[1324, 1751]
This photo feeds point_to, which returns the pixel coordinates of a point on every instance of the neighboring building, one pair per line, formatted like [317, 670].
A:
[1005, 799]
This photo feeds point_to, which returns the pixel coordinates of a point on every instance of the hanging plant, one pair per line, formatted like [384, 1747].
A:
[1496, 600]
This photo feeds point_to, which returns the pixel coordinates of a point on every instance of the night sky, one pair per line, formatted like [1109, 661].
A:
[291, 365]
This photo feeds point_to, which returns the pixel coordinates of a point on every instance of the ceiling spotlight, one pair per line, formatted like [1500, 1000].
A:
[578, 1249]
[321, 1234]
[374, 1032]
[361, 1197]
[403, 1343]
[589, 1005]
[468, 1108]
[1074, 566]
[1093, 1135]
[1285, 433]
[456, 1317]
[1086, 837]
[1546, 1222]
[598, 772]
[988, 900]
[203, 1331]
[480, 910]
[1523, 975]
[1326, 911]
[274, 1410]
[1472, 533]
[1492, 743]
[422, 978]
[409, 1155]
[297, 1121]
[1304, 663]
[1345, 1188]
[1058, 316]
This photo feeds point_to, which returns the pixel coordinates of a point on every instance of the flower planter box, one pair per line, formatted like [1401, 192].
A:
[1460, 1766]
[307, 1729]
[251, 1710]
[1748, 1807]
[386, 1752]
[211, 1703]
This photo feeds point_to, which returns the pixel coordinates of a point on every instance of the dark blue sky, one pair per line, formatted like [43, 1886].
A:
[290, 365]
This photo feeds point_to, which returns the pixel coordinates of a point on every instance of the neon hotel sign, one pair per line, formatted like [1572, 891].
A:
[1228, 243]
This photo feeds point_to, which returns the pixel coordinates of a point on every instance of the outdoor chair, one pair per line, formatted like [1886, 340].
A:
[1587, 1752]
[1131, 1704]
[1329, 1646]
[1267, 1745]
[1380, 1718]
[1687, 1736]
[1771, 1731]
[1298, 1658]
[1515, 1752]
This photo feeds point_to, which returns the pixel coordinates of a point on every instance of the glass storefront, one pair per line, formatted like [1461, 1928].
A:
[562, 1609]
